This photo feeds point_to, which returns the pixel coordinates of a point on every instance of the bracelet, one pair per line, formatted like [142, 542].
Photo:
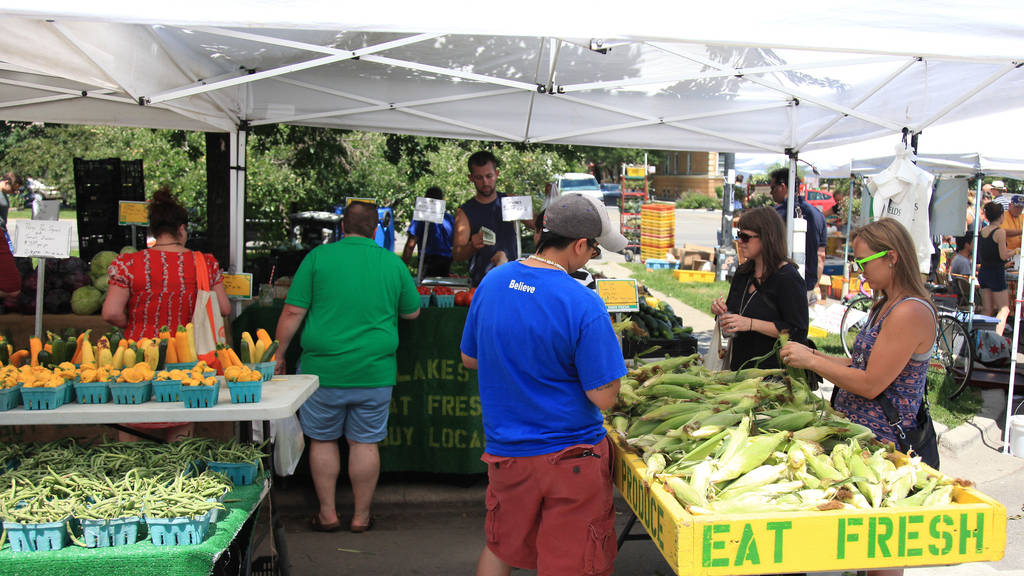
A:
[751, 329]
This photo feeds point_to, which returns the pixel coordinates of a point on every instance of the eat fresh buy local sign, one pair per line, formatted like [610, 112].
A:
[972, 529]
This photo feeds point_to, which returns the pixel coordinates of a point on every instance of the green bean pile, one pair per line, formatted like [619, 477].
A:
[59, 480]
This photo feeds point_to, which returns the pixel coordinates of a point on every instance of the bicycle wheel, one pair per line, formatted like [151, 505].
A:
[953, 354]
[854, 319]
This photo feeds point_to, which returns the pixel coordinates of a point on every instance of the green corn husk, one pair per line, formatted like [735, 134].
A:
[941, 496]
[672, 423]
[670, 391]
[816, 433]
[706, 448]
[819, 469]
[671, 410]
[899, 484]
[684, 492]
[756, 478]
[620, 423]
[655, 464]
[684, 379]
[919, 497]
[700, 478]
[840, 455]
[737, 437]
[641, 427]
[756, 450]
[792, 421]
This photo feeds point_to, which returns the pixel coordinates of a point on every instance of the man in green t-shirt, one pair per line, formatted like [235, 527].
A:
[351, 294]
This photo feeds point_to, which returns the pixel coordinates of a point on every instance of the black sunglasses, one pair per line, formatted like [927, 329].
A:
[744, 237]
[594, 247]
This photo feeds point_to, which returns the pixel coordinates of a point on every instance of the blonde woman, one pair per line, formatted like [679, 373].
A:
[891, 354]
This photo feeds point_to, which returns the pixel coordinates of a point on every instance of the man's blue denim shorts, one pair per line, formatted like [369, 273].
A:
[358, 414]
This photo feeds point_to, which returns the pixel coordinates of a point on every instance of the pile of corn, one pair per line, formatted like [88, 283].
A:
[759, 440]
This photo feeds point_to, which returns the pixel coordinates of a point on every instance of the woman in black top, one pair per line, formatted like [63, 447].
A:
[993, 256]
[767, 294]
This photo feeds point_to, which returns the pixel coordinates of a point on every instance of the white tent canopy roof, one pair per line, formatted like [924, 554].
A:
[750, 78]
[994, 139]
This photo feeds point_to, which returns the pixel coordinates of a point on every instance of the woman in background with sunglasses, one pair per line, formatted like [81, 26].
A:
[891, 354]
[767, 294]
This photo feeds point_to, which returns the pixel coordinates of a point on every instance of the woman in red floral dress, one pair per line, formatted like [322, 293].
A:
[157, 286]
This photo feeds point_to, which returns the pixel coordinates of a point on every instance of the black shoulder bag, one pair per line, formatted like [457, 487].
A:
[922, 439]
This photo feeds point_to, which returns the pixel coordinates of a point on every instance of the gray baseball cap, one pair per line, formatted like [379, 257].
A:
[579, 216]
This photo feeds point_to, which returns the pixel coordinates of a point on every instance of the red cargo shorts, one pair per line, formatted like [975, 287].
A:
[553, 513]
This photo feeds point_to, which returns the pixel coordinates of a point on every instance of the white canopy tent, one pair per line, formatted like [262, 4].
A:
[672, 76]
[746, 77]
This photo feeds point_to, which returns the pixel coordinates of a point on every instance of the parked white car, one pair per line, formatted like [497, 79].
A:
[584, 184]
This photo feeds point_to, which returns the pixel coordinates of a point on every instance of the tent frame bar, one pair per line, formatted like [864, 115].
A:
[1006, 69]
[828, 126]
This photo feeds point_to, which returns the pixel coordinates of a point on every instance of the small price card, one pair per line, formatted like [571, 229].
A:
[516, 208]
[429, 210]
[42, 238]
[238, 286]
[619, 295]
[129, 212]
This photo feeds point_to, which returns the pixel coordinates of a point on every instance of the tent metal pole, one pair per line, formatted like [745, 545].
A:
[846, 244]
[974, 250]
[236, 204]
[789, 203]
[1013, 357]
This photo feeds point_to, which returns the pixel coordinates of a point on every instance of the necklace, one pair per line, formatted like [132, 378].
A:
[167, 244]
[747, 297]
[548, 262]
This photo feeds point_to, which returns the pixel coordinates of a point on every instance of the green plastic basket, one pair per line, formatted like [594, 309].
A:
[37, 398]
[241, 474]
[9, 398]
[167, 390]
[266, 369]
[200, 396]
[178, 531]
[131, 392]
[37, 537]
[180, 366]
[245, 392]
[113, 532]
[92, 392]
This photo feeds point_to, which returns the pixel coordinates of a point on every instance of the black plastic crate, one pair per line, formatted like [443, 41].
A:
[99, 186]
[683, 346]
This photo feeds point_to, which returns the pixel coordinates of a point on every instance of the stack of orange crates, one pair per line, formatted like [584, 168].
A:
[657, 230]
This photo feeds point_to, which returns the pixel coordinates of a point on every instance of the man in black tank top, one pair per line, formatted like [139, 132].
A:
[483, 210]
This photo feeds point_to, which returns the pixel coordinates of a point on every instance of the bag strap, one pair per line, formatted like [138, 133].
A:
[202, 274]
[892, 416]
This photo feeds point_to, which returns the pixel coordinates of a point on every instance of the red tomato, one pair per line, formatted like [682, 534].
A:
[462, 299]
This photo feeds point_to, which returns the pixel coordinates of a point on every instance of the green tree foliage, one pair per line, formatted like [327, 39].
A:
[293, 168]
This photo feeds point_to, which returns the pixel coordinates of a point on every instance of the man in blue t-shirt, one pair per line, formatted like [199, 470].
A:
[437, 260]
[548, 363]
[816, 238]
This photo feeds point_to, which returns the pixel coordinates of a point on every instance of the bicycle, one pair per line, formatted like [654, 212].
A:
[952, 354]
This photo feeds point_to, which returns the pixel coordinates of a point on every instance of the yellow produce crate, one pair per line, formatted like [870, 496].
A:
[694, 276]
[973, 529]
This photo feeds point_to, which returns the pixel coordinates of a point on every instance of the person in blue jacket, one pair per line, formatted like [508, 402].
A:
[816, 238]
[438, 252]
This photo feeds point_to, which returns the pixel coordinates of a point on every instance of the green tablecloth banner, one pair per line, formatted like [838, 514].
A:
[435, 423]
[142, 558]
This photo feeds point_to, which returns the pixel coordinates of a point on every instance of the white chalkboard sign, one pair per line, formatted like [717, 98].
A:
[42, 238]
[516, 208]
[429, 210]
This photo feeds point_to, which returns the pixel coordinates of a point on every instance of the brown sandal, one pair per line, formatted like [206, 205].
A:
[317, 526]
[360, 528]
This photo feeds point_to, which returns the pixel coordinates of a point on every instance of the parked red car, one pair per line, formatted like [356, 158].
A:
[821, 199]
